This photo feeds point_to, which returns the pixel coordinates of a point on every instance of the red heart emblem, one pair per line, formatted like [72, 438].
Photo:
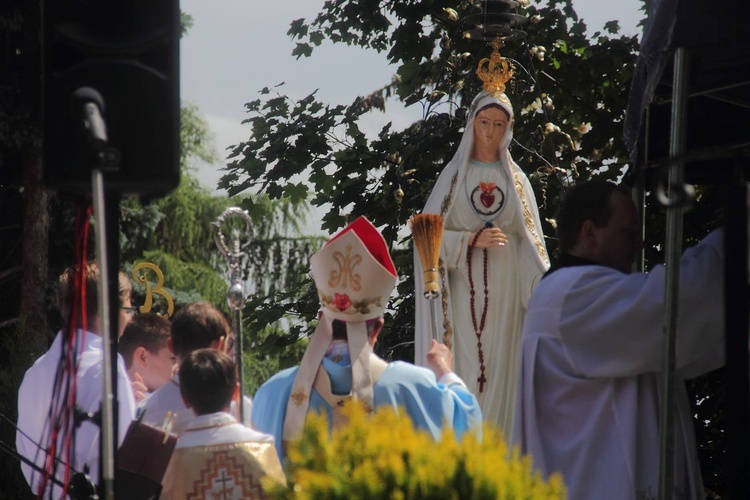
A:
[487, 199]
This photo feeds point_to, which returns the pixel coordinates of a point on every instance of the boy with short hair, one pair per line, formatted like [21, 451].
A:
[148, 359]
[216, 456]
[195, 326]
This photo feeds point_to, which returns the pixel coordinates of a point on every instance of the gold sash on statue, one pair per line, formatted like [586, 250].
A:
[227, 471]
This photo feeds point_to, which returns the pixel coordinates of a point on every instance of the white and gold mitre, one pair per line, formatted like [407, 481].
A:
[354, 273]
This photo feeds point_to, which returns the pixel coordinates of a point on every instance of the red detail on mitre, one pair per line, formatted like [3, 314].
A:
[372, 240]
[342, 301]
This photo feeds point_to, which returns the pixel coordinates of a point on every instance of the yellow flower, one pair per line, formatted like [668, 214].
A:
[382, 456]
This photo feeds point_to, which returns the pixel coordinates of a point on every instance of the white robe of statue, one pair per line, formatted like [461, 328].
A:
[512, 270]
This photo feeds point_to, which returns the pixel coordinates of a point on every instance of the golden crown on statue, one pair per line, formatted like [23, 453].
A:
[495, 71]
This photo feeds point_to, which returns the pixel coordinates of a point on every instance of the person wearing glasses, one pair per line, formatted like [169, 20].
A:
[44, 397]
[591, 353]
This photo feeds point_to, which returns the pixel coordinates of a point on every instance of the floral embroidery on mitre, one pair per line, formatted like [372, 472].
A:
[340, 302]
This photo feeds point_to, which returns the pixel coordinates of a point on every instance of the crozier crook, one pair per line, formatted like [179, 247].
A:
[235, 257]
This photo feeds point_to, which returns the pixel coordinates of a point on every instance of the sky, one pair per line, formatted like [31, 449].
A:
[237, 47]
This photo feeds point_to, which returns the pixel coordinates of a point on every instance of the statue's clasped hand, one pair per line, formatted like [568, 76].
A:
[490, 237]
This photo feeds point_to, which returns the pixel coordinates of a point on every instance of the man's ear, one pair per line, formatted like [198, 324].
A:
[376, 330]
[139, 355]
[587, 233]
[169, 345]
[219, 344]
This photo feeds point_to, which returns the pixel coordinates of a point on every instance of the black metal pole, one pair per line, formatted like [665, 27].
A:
[112, 203]
[673, 250]
[736, 296]
[107, 215]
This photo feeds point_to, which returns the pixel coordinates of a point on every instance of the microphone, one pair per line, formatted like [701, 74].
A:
[89, 103]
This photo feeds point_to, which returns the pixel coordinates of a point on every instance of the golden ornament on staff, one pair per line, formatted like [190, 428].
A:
[427, 233]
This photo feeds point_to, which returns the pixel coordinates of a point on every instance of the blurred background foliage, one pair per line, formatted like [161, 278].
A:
[309, 160]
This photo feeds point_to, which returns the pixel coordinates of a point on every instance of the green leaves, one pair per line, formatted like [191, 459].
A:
[295, 192]
[297, 29]
[302, 49]
[612, 27]
[568, 122]
[196, 140]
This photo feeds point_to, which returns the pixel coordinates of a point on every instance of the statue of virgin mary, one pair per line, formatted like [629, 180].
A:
[492, 256]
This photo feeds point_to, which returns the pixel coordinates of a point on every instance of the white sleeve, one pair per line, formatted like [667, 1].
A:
[611, 323]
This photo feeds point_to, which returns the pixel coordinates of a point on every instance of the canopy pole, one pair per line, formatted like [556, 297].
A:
[736, 295]
[673, 248]
[639, 195]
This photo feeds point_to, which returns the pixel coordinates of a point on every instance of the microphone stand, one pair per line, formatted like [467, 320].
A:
[107, 219]
[236, 292]
[107, 239]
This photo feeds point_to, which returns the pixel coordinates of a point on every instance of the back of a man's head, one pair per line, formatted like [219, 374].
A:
[207, 381]
[89, 279]
[197, 326]
[584, 201]
[148, 330]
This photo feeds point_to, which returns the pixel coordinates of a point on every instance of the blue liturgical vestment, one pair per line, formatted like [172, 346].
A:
[429, 403]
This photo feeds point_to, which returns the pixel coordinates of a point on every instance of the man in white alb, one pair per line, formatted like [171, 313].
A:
[43, 398]
[588, 403]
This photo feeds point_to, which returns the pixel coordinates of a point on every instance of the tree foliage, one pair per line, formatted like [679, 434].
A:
[569, 96]
[570, 93]
[176, 232]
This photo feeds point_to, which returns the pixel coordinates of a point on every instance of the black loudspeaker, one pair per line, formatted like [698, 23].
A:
[111, 101]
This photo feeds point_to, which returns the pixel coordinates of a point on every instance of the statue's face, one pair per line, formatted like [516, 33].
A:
[489, 128]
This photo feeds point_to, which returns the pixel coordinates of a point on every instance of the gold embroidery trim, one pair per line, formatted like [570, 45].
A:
[448, 329]
[448, 197]
[448, 333]
[528, 219]
[299, 397]
[345, 274]
[356, 306]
